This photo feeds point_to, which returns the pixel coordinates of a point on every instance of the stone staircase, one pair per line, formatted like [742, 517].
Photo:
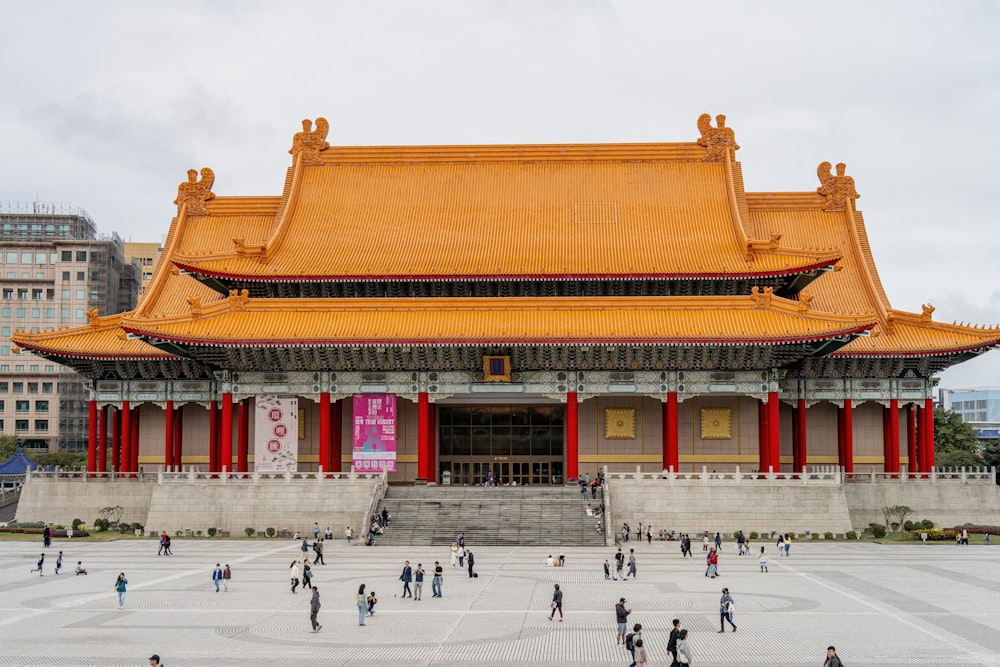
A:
[502, 516]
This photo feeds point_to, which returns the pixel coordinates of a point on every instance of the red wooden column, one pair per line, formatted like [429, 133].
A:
[433, 446]
[671, 455]
[324, 432]
[846, 435]
[774, 430]
[890, 436]
[572, 437]
[213, 436]
[226, 437]
[763, 451]
[126, 462]
[134, 426]
[102, 440]
[92, 439]
[927, 458]
[423, 435]
[336, 433]
[243, 436]
[179, 437]
[911, 439]
[799, 455]
[168, 437]
[116, 439]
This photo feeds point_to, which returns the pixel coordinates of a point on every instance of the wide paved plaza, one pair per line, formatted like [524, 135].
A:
[879, 604]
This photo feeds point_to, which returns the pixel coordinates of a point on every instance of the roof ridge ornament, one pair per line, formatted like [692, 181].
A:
[928, 310]
[195, 193]
[310, 142]
[93, 317]
[761, 297]
[718, 140]
[805, 300]
[839, 189]
[195, 303]
[238, 299]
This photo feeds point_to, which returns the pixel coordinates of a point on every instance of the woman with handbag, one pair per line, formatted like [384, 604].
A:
[684, 655]
[556, 604]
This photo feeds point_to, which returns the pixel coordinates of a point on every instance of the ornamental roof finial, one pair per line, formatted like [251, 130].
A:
[839, 189]
[718, 140]
[310, 142]
[195, 193]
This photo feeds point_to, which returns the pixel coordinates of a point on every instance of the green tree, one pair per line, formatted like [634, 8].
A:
[991, 455]
[955, 442]
[61, 459]
[8, 443]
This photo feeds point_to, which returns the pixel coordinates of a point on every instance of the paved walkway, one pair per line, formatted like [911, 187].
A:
[880, 605]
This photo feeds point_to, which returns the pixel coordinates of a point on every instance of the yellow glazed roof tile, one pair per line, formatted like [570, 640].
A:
[102, 340]
[642, 320]
[506, 211]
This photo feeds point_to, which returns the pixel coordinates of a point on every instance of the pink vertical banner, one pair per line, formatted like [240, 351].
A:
[374, 432]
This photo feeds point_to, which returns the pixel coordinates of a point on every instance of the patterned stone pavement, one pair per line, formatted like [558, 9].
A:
[934, 604]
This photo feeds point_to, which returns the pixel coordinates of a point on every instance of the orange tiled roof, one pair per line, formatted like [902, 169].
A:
[652, 320]
[620, 210]
[103, 340]
[855, 287]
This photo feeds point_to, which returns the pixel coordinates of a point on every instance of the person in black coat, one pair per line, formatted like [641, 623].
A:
[672, 642]
[469, 556]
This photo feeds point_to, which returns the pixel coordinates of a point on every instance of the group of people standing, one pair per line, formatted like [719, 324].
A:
[460, 553]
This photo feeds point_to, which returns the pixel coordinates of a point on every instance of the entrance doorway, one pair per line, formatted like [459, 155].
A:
[520, 445]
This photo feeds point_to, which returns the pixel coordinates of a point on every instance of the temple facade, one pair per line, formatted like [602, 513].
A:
[530, 312]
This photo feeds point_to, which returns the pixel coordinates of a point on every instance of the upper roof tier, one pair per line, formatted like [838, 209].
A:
[500, 212]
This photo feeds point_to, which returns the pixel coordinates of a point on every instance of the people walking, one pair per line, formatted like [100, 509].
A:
[348, 533]
[227, 574]
[296, 573]
[620, 563]
[438, 578]
[120, 586]
[318, 549]
[163, 543]
[712, 564]
[471, 559]
[684, 653]
[781, 545]
[418, 581]
[217, 577]
[621, 618]
[59, 562]
[306, 574]
[631, 563]
[314, 606]
[726, 610]
[762, 560]
[788, 544]
[47, 536]
[557, 604]
[39, 566]
[607, 569]
[630, 640]
[362, 603]
[406, 577]
[672, 642]
[832, 659]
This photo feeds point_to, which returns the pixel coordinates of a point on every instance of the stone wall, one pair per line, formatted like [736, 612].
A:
[787, 507]
[947, 503]
[62, 500]
[202, 504]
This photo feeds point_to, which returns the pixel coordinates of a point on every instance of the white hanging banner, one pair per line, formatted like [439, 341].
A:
[276, 433]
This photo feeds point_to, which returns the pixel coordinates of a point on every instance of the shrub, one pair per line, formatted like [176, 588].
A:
[198, 533]
[851, 535]
[249, 531]
[77, 524]
[939, 535]
[100, 525]
[754, 535]
[269, 532]
[212, 532]
[179, 533]
[791, 536]
[878, 531]
[908, 526]
[927, 524]
[827, 535]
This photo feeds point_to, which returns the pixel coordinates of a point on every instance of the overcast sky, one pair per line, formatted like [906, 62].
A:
[107, 104]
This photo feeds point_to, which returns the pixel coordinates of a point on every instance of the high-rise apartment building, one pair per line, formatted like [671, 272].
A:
[146, 255]
[55, 271]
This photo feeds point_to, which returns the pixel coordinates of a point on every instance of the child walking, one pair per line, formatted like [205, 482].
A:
[762, 560]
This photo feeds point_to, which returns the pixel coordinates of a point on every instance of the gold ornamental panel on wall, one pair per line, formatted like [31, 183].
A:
[619, 423]
[716, 423]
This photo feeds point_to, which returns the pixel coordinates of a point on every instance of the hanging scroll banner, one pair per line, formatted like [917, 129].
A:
[374, 432]
[276, 433]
